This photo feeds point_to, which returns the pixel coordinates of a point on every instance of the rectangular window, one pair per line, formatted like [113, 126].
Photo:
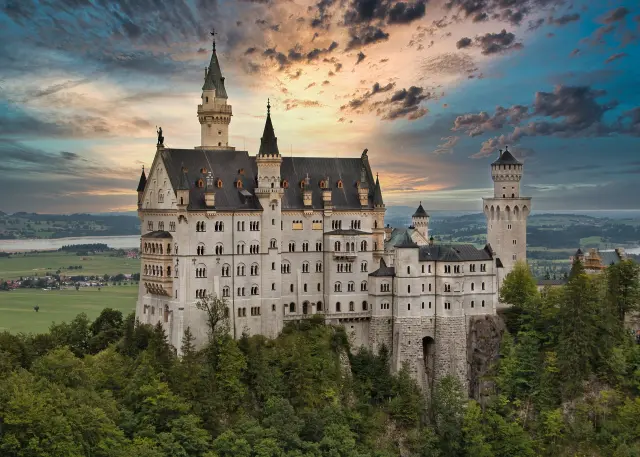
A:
[297, 225]
[150, 226]
[316, 225]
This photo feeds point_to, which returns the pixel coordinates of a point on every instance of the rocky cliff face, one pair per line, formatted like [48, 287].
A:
[483, 348]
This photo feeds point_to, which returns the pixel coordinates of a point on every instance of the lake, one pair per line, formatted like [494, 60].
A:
[117, 242]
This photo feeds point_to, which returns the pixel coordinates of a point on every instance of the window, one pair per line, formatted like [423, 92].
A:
[509, 227]
[240, 226]
[319, 247]
[423, 287]
[473, 286]
[429, 268]
[482, 286]
[254, 249]
[150, 226]
[160, 196]
[472, 303]
[305, 246]
[384, 306]
[273, 308]
[273, 265]
[254, 290]
[472, 268]
[172, 226]
[297, 225]
[363, 286]
[319, 306]
[409, 289]
[292, 247]
[429, 287]
[447, 287]
[305, 267]
[352, 306]
[219, 226]
[240, 248]
[363, 243]
[273, 286]
[254, 269]
[483, 303]
[515, 242]
[255, 310]
[351, 286]
[337, 287]
[384, 287]
[337, 307]
[285, 268]
[226, 291]
[318, 267]
[515, 257]
[457, 269]
[304, 287]
[483, 267]
[447, 305]
[273, 244]
[225, 270]
[316, 225]
[201, 271]
[200, 249]
[363, 266]
[408, 306]
[422, 305]
[240, 270]
[291, 288]
[219, 249]
[447, 268]
[429, 305]
[292, 307]
[254, 226]
[337, 246]
[422, 268]
[161, 226]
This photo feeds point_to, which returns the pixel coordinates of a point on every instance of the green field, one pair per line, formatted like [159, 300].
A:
[17, 313]
[30, 264]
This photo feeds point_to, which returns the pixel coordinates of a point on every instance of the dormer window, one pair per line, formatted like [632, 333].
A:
[239, 184]
[200, 183]
[206, 99]
[302, 184]
[203, 171]
[219, 183]
[339, 183]
[285, 184]
[323, 184]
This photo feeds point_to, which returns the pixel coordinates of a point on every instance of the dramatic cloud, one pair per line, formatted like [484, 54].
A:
[463, 43]
[491, 43]
[366, 36]
[564, 20]
[404, 103]
[447, 146]
[512, 11]
[295, 103]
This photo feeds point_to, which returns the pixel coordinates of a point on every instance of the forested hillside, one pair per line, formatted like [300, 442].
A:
[566, 384]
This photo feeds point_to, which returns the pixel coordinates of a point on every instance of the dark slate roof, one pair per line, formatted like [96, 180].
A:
[214, 78]
[157, 234]
[349, 232]
[420, 212]
[453, 253]
[183, 183]
[268, 142]
[225, 165]
[579, 252]
[384, 270]
[143, 181]
[609, 257]
[377, 194]
[406, 241]
[506, 158]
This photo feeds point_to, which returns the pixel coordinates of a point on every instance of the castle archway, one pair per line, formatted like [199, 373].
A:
[428, 356]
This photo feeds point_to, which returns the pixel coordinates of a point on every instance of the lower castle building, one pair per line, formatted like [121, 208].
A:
[285, 238]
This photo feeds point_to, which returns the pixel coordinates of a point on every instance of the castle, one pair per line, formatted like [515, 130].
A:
[284, 238]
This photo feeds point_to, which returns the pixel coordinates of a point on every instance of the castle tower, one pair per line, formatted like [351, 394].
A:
[269, 193]
[141, 185]
[214, 113]
[420, 222]
[507, 212]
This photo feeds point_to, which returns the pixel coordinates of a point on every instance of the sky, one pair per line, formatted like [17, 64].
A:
[432, 88]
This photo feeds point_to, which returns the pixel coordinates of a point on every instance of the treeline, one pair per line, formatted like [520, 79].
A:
[93, 247]
[566, 384]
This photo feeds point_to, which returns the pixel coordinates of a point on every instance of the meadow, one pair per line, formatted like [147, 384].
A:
[17, 313]
[39, 263]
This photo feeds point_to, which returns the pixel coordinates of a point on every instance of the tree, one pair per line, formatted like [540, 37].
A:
[217, 315]
[518, 289]
[623, 288]
[447, 407]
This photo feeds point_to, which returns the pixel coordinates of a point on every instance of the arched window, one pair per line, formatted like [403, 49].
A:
[363, 245]
[352, 306]
[409, 270]
[226, 292]
[351, 286]
[292, 246]
[240, 270]
[337, 246]
[219, 249]
[225, 270]
[338, 307]
[292, 307]
[318, 267]
[473, 286]
[254, 290]
[363, 266]
[363, 286]
[337, 287]
[240, 248]
[200, 249]
[285, 268]
[254, 269]
[482, 286]
[319, 306]
[365, 306]
[305, 267]
[273, 244]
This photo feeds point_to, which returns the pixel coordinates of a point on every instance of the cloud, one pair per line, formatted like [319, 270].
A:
[399, 12]
[447, 146]
[366, 36]
[361, 57]
[404, 103]
[491, 43]
[449, 63]
[463, 43]
[617, 56]
[477, 124]
[292, 103]
[616, 15]
[564, 20]
[360, 101]
[512, 11]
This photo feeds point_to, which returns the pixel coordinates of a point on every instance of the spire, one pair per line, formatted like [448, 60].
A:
[420, 212]
[184, 180]
[268, 142]
[143, 181]
[213, 79]
[377, 194]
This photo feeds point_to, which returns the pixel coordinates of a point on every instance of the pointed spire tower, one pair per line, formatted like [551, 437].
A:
[141, 185]
[268, 158]
[268, 142]
[214, 113]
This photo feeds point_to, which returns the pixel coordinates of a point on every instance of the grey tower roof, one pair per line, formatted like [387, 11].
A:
[268, 142]
[506, 158]
[420, 212]
[406, 241]
[377, 194]
[214, 79]
[384, 270]
[143, 181]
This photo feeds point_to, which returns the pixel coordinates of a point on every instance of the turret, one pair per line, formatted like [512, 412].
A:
[268, 159]
[506, 173]
[141, 185]
[420, 221]
[214, 113]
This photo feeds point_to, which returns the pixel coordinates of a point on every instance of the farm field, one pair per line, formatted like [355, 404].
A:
[39, 263]
[17, 313]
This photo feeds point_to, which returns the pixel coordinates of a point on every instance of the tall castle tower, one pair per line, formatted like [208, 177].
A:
[507, 212]
[420, 221]
[214, 113]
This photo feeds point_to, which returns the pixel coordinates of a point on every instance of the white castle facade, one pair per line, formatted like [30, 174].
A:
[284, 238]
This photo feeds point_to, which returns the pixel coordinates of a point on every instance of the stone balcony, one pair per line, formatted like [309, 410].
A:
[158, 285]
[349, 256]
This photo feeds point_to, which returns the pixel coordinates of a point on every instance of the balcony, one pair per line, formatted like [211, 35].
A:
[158, 285]
[349, 256]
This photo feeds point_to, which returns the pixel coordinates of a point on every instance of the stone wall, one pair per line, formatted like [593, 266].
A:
[483, 348]
[380, 332]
